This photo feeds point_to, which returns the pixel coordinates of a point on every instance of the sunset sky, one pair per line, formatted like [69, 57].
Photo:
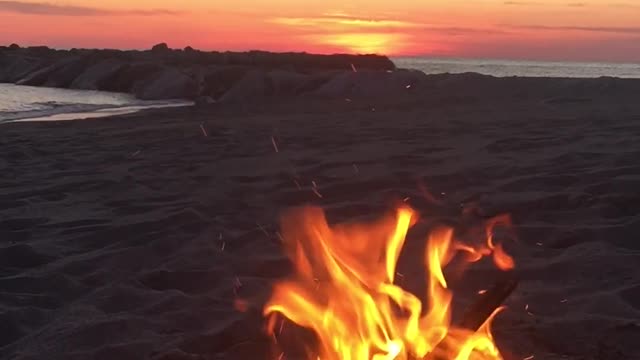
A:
[587, 30]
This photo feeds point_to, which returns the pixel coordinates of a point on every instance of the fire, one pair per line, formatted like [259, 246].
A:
[344, 290]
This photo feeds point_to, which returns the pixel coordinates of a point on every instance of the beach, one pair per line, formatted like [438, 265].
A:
[130, 237]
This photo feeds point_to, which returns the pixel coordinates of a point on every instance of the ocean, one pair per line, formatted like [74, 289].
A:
[504, 68]
[20, 103]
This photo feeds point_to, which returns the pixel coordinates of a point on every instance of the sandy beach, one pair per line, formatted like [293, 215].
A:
[130, 237]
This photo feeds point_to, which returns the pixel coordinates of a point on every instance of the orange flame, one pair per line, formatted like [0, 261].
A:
[344, 290]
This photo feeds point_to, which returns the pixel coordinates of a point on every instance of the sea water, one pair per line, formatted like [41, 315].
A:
[41, 103]
[504, 68]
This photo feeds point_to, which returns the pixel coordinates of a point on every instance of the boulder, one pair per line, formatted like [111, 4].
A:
[97, 75]
[287, 82]
[63, 76]
[170, 83]
[203, 101]
[40, 76]
[371, 83]
[16, 67]
[317, 80]
[14, 47]
[131, 77]
[162, 47]
[254, 85]
[217, 80]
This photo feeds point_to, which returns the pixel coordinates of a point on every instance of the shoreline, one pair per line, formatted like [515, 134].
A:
[98, 113]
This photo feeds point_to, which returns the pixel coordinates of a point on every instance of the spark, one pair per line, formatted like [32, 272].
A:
[281, 356]
[373, 109]
[539, 243]
[408, 86]
[353, 67]
[297, 184]
[526, 308]
[355, 168]
[136, 153]
[347, 100]
[241, 305]
[315, 189]
[224, 243]
[481, 292]
[279, 236]
[275, 146]
[263, 229]
[529, 357]
[564, 300]
[204, 132]
[406, 199]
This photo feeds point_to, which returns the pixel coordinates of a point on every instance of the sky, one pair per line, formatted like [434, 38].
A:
[564, 30]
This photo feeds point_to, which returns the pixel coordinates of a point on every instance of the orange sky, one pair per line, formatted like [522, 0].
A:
[588, 30]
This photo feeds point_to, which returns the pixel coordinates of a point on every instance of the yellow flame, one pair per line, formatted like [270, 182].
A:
[344, 291]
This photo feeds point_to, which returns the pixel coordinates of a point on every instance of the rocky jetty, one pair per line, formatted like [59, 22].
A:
[164, 73]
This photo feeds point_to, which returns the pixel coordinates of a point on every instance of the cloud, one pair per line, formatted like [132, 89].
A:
[624, 6]
[536, 3]
[341, 22]
[71, 10]
[602, 29]
[521, 3]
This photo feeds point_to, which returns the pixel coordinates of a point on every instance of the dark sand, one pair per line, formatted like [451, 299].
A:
[126, 238]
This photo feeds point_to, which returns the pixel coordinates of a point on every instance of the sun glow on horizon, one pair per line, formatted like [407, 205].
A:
[364, 43]
[543, 30]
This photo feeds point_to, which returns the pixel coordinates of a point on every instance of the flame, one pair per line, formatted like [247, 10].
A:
[344, 290]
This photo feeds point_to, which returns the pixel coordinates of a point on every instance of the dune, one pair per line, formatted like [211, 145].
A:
[130, 237]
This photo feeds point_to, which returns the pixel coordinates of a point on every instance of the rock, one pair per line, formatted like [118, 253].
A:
[40, 77]
[170, 83]
[63, 76]
[217, 80]
[162, 73]
[371, 83]
[95, 76]
[131, 77]
[204, 100]
[315, 81]
[287, 82]
[40, 51]
[14, 67]
[255, 84]
[14, 47]
[162, 47]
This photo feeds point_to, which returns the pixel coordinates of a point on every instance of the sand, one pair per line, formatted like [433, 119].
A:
[129, 237]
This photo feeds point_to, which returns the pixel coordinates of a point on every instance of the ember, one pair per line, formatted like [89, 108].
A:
[344, 290]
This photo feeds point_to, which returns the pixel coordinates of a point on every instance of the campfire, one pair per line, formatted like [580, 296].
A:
[345, 290]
